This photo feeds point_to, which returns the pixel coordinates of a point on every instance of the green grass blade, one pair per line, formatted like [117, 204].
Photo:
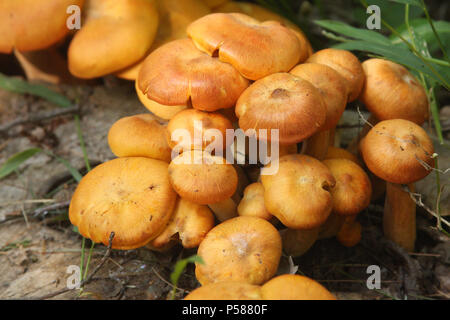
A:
[16, 160]
[179, 268]
[411, 2]
[21, 86]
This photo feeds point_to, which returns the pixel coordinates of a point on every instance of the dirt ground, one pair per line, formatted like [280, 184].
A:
[36, 247]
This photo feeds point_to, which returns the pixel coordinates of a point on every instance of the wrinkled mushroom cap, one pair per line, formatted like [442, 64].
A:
[353, 190]
[130, 196]
[116, 34]
[262, 14]
[284, 102]
[177, 73]
[227, 290]
[252, 204]
[299, 193]
[398, 151]
[255, 49]
[27, 25]
[346, 64]
[243, 249]
[194, 128]
[392, 92]
[174, 17]
[202, 178]
[190, 222]
[159, 110]
[330, 85]
[294, 287]
[141, 135]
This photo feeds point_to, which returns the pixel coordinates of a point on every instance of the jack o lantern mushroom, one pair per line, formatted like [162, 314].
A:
[131, 197]
[178, 74]
[245, 249]
[115, 35]
[256, 49]
[399, 152]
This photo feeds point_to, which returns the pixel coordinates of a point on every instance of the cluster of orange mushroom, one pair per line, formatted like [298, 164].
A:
[226, 65]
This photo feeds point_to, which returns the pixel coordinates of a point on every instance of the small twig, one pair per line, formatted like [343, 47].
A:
[38, 117]
[54, 206]
[168, 283]
[86, 280]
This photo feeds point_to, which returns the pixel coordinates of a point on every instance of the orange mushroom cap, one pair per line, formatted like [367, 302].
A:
[190, 222]
[196, 124]
[115, 35]
[255, 49]
[284, 102]
[202, 178]
[294, 287]
[398, 151]
[177, 73]
[392, 92]
[339, 153]
[353, 190]
[130, 196]
[141, 135]
[245, 249]
[346, 64]
[330, 85]
[252, 204]
[299, 193]
[227, 290]
[262, 14]
[27, 25]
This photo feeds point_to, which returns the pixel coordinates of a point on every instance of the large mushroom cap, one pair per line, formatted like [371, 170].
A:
[262, 14]
[348, 66]
[194, 129]
[243, 249]
[202, 178]
[331, 86]
[116, 34]
[392, 92]
[159, 110]
[353, 189]
[255, 49]
[28, 25]
[130, 196]
[178, 74]
[190, 222]
[227, 290]
[174, 17]
[283, 102]
[398, 151]
[299, 193]
[141, 135]
[294, 287]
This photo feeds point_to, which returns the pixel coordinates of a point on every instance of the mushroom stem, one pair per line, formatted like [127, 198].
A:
[399, 220]
[298, 242]
[332, 137]
[317, 145]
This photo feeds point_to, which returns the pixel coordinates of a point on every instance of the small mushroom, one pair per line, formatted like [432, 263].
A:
[202, 178]
[178, 74]
[131, 197]
[141, 135]
[115, 35]
[294, 287]
[399, 152]
[282, 102]
[194, 129]
[226, 290]
[299, 194]
[346, 64]
[245, 249]
[252, 204]
[190, 222]
[392, 92]
[256, 49]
